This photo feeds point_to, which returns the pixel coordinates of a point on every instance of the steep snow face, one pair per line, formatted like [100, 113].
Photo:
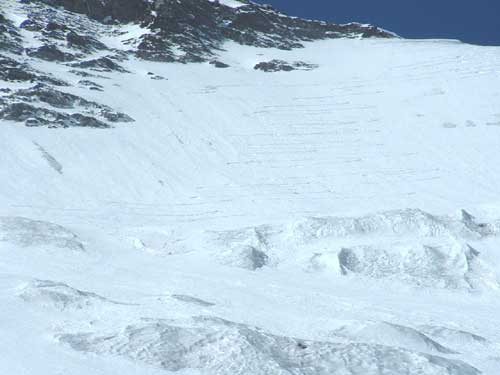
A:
[331, 209]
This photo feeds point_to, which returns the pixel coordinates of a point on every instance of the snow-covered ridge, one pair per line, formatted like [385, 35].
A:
[169, 31]
[407, 246]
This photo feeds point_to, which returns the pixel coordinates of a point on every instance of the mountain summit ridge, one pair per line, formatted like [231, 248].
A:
[94, 36]
[200, 26]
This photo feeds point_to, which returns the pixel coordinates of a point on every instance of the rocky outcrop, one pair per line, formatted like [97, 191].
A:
[12, 70]
[183, 31]
[50, 53]
[193, 30]
[219, 64]
[39, 116]
[102, 64]
[199, 28]
[84, 43]
[10, 39]
[104, 10]
[283, 66]
[30, 106]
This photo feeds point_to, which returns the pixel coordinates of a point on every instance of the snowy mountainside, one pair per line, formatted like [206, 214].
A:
[203, 187]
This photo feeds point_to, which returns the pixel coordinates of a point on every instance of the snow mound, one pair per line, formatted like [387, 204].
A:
[408, 222]
[457, 339]
[248, 248]
[409, 246]
[222, 347]
[156, 241]
[33, 233]
[391, 335]
[247, 257]
[452, 265]
[229, 3]
[61, 296]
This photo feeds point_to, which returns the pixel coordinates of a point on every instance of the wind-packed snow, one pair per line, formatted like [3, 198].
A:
[339, 220]
[230, 3]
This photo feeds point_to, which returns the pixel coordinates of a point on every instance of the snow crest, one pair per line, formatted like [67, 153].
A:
[61, 296]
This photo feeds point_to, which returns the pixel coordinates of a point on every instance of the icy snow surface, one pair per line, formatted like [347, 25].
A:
[343, 220]
[230, 3]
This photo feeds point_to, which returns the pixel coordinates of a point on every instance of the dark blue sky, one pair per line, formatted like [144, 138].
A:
[472, 21]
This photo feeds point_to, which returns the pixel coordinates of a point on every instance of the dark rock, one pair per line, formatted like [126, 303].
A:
[193, 31]
[300, 65]
[348, 261]
[84, 42]
[155, 48]
[283, 66]
[301, 345]
[10, 39]
[190, 27]
[77, 119]
[102, 64]
[82, 73]
[53, 26]
[116, 116]
[18, 106]
[219, 64]
[18, 112]
[121, 10]
[33, 122]
[15, 74]
[50, 53]
[22, 112]
[155, 77]
[35, 116]
[90, 84]
[51, 80]
[199, 28]
[15, 71]
[256, 21]
[254, 259]
[274, 66]
[30, 25]
[54, 98]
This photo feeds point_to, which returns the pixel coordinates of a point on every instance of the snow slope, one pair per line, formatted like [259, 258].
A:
[338, 220]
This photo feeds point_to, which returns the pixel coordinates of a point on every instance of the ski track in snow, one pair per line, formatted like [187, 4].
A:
[305, 222]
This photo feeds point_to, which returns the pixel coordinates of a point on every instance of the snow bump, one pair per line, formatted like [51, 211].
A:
[25, 232]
